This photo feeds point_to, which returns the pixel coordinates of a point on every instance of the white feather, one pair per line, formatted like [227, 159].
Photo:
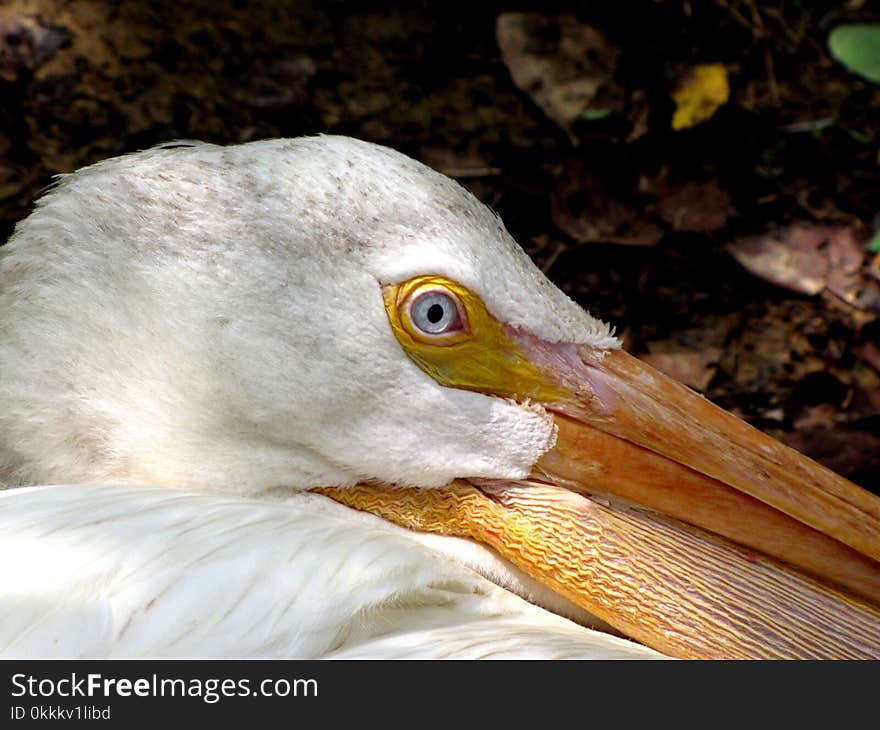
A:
[128, 571]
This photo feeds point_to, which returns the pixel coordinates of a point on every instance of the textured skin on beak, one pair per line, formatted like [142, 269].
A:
[591, 461]
[673, 587]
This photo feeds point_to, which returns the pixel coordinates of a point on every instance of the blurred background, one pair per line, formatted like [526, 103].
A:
[704, 175]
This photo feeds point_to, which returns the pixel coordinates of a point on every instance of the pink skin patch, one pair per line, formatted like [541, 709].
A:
[574, 367]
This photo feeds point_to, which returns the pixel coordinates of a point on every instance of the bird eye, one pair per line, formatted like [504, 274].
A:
[436, 313]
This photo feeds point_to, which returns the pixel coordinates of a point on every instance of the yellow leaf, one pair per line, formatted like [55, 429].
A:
[699, 95]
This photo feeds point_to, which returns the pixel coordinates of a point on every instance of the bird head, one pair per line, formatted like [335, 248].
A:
[324, 312]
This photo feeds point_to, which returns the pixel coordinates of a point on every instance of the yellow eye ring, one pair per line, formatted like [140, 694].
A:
[415, 303]
[475, 353]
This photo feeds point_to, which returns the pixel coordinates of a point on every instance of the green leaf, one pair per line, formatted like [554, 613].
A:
[858, 136]
[857, 46]
[874, 244]
[593, 115]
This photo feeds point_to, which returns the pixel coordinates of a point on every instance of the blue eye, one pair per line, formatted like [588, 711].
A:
[435, 313]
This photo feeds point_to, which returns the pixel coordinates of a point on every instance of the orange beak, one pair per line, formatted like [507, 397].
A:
[646, 438]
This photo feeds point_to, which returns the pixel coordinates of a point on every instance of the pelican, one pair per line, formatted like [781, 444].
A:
[309, 398]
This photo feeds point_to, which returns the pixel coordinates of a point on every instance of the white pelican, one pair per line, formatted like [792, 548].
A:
[325, 314]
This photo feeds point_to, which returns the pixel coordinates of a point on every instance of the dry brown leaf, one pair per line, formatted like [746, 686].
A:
[26, 43]
[584, 210]
[694, 368]
[791, 258]
[565, 66]
[866, 401]
[844, 451]
[874, 267]
[822, 416]
[810, 259]
[870, 353]
[692, 207]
